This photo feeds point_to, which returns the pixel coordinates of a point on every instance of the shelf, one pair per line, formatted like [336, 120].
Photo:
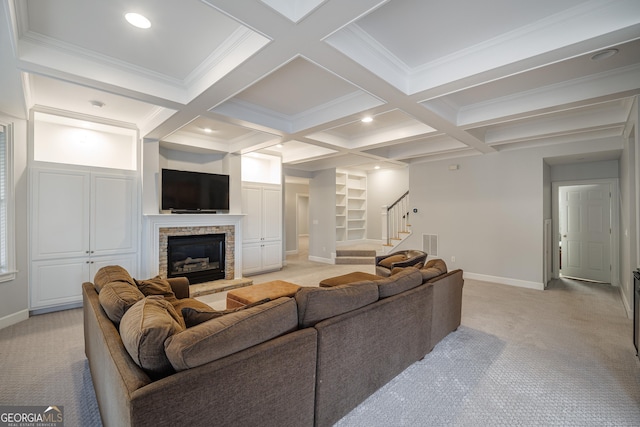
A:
[351, 200]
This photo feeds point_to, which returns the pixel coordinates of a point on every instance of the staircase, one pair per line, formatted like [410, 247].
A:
[397, 223]
[355, 256]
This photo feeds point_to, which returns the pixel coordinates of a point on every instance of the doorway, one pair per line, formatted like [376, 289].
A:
[302, 224]
[585, 227]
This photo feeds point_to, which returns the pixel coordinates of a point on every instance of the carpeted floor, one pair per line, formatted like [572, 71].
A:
[522, 357]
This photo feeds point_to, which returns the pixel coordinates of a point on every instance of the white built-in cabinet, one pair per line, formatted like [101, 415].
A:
[261, 228]
[81, 220]
[351, 206]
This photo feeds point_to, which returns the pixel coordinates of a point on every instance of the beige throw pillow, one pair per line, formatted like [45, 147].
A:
[156, 286]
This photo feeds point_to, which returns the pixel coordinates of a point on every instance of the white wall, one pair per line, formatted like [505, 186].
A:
[383, 188]
[489, 213]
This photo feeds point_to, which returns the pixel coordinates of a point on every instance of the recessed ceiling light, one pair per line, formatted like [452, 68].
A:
[367, 119]
[599, 56]
[96, 104]
[207, 130]
[279, 145]
[137, 20]
[376, 167]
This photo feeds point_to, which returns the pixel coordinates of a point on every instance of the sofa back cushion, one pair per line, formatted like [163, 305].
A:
[118, 297]
[111, 273]
[144, 329]
[316, 304]
[233, 332]
[405, 279]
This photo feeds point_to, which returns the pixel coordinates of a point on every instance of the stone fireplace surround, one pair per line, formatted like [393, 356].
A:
[158, 227]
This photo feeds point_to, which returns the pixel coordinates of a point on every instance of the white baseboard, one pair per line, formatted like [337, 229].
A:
[14, 318]
[323, 260]
[505, 281]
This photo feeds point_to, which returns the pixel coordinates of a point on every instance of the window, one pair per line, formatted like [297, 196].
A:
[7, 270]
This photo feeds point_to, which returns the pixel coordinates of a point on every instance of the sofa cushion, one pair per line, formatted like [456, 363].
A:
[117, 297]
[386, 262]
[194, 316]
[225, 335]
[111, 273]
[144, 329]
[433, 268]
[316, 304]
[156, 286]
[408, 278]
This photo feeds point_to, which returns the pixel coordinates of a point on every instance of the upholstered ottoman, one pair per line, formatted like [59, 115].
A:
[254, 293]
[356, 276]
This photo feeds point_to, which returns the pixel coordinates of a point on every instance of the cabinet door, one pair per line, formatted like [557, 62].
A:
[57, 282]
[252, 206]
[60, 214]
[127, 261]
[272, 255]
[271, 214]
[251, 258]
[114, 214]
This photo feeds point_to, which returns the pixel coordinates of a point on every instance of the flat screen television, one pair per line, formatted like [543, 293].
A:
[194, 192]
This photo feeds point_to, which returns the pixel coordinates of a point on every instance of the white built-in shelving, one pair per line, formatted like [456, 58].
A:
[351, 206]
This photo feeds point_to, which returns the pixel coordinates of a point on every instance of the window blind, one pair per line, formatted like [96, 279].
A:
[3, 198]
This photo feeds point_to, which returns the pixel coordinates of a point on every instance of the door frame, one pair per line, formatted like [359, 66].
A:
[615, 223]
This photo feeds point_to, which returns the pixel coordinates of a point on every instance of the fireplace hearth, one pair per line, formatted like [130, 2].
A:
[200, 258]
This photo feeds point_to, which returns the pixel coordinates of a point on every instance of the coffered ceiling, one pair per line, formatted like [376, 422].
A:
[295, 77]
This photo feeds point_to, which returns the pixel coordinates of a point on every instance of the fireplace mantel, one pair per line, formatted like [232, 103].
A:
[153, 223]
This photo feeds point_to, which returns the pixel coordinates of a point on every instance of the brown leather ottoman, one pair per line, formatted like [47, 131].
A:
[356, 276]
[254, 293]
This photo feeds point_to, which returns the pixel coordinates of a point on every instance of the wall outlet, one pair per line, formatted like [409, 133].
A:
[453, 259]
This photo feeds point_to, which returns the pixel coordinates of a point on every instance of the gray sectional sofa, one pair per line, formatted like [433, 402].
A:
[302, 361]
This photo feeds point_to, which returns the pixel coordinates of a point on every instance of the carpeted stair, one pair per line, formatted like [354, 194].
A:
[355, 256]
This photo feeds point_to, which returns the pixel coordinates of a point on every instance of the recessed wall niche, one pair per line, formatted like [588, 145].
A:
[66, 140]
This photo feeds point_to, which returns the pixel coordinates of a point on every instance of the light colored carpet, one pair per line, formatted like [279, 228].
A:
[522, 357]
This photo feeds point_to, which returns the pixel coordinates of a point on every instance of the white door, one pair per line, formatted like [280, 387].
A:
[585, 230]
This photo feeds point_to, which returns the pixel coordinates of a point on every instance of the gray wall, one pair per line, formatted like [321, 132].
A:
[489, 214]
[322, 215]
[291, 192]
[629, 212]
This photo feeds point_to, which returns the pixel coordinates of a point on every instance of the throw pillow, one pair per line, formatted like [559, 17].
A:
[386, 262]
[194, 316]
[117, 297]
[156, 286]
[144, 328]
[111, 273]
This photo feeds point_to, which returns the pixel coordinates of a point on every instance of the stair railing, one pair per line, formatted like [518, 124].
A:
[398, 218]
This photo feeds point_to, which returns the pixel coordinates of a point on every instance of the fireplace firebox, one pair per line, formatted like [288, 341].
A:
[200, 258]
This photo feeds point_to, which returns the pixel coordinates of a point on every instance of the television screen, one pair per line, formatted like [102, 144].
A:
[194, 191]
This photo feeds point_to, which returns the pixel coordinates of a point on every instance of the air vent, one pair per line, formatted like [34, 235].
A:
[430, 244]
